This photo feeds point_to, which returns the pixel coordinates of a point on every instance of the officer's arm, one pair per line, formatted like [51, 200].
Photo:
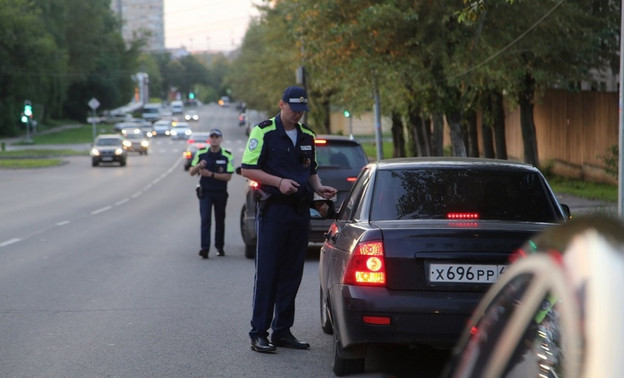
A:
[326, 192]
[261, 176]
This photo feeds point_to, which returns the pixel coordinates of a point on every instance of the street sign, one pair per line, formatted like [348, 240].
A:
[94, 103]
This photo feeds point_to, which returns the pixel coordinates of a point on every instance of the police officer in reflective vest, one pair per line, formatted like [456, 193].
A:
[280, 156]
[214, 166]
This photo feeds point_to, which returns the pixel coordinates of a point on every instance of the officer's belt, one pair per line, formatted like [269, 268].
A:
[286, 200]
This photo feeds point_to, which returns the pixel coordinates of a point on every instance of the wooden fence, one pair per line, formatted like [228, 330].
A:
[574, 132]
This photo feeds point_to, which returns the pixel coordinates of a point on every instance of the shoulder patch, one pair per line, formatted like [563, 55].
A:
[266, 123]
[307, 130]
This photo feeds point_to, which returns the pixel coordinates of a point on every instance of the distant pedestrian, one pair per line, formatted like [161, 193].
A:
[280, 156]
[215, 166]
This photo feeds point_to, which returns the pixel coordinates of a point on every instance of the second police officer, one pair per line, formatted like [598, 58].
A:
[215, 166]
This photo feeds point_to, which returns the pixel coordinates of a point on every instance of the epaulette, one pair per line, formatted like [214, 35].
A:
[266, 123]
[227, 151]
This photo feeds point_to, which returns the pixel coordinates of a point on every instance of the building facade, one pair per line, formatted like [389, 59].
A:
[142, 17]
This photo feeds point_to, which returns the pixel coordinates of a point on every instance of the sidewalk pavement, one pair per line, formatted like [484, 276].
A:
[580, 205]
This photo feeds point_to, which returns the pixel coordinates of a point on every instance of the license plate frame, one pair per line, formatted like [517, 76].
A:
[107, 158]
[458, 273]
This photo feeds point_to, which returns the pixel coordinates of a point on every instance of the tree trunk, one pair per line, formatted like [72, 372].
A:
[413, 126]
[437, 139]
[425, 127]
[487, 132]
[473, 136]
[398, 137]
[527, 122]
[457, 140]
[498, 120]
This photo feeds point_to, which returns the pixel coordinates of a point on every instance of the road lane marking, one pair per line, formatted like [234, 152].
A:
[9, 242]
[101, 210]
[62, 223]
[122, 201]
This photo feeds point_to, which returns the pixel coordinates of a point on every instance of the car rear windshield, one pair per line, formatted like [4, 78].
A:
[512, 195]
[340, 155]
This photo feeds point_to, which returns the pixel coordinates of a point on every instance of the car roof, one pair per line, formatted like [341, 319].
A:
[451, 162]
[107, 136]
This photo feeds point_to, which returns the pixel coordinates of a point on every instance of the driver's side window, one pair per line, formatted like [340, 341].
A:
[350, 205]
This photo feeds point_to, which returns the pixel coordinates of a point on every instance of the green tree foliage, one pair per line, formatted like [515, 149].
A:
[29, 62]
[429, 59]
[59, 54]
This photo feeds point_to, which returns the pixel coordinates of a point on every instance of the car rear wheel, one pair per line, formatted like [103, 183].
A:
[250, 249]
[325, 322]
[345, 366]
[122, 163]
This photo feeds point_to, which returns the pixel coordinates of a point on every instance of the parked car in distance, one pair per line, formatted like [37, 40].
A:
[416, 244]
[108, 148]
[137, 142]
[180, 130]
[339, 159]
[556, 312]
[189, 153]
[191, 115]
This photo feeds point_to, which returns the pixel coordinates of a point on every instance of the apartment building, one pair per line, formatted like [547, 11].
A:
[140, 17]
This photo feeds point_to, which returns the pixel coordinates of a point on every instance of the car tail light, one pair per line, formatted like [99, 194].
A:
[462, 215]
[366, 267]
[320, 141]
[377, 320]
[188, 155]
[253, 184]
[351, 179]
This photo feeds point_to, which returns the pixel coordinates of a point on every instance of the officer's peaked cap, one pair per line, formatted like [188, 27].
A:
[297, 98]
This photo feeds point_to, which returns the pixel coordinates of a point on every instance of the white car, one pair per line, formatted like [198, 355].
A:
[162, 127]
[181, 130]
[556, 312]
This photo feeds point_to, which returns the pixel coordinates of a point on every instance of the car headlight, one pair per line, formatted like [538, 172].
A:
[144, 143]
[188, 132]
[127, 143]
[95, 152]
[118, 151]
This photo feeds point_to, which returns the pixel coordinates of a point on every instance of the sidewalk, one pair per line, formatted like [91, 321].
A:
[580, 205]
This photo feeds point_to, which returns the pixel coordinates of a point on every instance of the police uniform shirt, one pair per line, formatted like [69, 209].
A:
[270, 149]
[217, 162]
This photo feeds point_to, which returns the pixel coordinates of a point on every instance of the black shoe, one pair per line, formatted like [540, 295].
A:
[290, 341]
[261, 344]
[220, 252]
[203, 253]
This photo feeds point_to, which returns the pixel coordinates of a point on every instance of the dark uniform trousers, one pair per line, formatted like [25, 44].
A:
[218, 199]
[281, 250]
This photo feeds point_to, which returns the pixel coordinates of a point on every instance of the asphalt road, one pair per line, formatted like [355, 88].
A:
[99, 276]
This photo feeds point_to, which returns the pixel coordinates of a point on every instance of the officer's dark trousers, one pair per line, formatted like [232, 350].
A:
[218, 200]
[280, 256]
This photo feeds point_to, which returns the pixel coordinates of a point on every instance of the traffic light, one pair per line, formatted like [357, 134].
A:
[347, 114]
[191, 95]
[24, 118]
[28, 109]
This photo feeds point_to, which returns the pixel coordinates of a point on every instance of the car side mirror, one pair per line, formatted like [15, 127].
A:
[566, 211]
[322, 209]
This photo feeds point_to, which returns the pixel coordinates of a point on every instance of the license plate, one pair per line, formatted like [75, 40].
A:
[107, 158]
[465, 273]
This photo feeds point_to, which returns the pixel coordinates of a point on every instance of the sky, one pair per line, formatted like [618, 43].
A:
[201, 25]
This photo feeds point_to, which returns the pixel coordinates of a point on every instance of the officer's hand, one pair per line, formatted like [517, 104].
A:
[202, 164]
[326, 192]
[288, 186]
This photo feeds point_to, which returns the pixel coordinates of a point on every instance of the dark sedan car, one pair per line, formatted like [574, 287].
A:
[417, 243]
[340, 160]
